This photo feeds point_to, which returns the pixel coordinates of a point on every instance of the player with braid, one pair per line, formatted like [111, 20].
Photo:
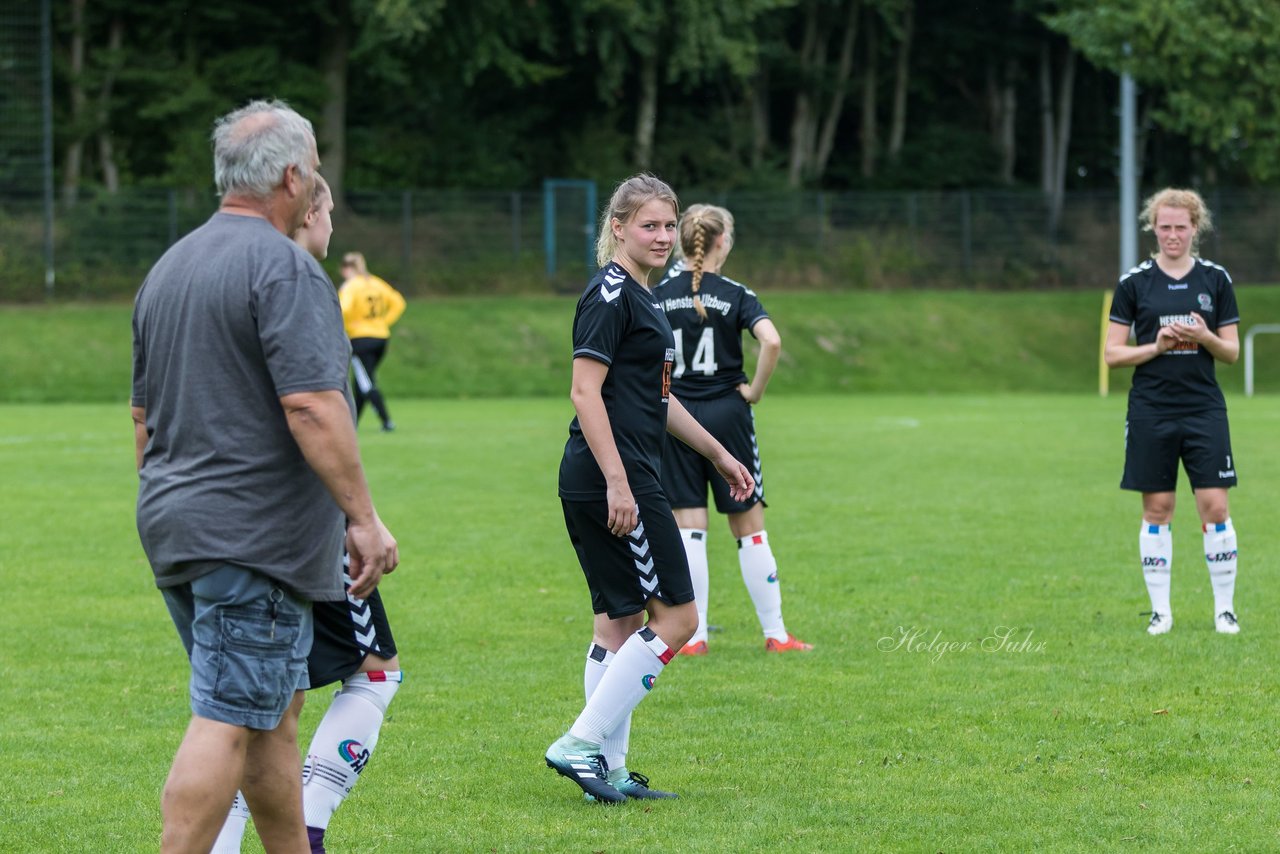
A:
[1182, 310]
[353, 644]
[618, 519]
[708, 313]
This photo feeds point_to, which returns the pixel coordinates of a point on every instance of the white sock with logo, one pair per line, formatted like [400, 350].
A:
[614, 748]
[695, 549]
[344, 741]
[1220, 555]
[632, 672]
[232, 833]
[760, 574]
[1155, 545]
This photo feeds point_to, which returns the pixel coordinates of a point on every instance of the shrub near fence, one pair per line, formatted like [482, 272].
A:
[434, 242]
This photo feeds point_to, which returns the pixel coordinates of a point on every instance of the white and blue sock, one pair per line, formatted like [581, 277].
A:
[1220, 555]
[1155, 545]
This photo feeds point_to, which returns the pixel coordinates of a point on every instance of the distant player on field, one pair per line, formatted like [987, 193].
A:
[708, 314]
[353, 644]
[617, 517]
[370, 307]
[1182, 309]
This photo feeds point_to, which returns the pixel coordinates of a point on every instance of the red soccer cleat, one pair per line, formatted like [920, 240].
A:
[791, 644]
[695, 648]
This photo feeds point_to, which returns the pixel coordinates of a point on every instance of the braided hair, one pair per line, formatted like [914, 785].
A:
[701, 226]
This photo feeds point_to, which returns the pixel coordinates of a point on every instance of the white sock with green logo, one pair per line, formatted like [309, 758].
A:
[760, 574]
[344, 741]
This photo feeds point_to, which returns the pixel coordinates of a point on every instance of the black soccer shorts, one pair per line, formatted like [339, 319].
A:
[686, 473]
[345, 633]
[1154, 446]
[624, 572]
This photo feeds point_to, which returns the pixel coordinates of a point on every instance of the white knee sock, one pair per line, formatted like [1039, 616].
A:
[626, 682]
[760, 574]
[229, 838]
[614, 748]
[1155, 545]
[1220, 555]
[695, 549]
[343, 742]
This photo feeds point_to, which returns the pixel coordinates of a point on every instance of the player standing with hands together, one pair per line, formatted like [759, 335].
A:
[1183, 312]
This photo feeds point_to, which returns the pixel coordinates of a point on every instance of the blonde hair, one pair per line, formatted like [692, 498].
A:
[321, 193]
[355, 259]
[1188, 200]
[631, 195]
[699, 227]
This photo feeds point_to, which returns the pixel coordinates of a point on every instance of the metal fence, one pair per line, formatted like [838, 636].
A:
[491, 242]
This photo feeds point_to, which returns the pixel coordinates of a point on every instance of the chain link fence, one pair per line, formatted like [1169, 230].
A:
[491, 243]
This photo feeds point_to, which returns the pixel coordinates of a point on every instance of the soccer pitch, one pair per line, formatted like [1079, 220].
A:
[966, 567]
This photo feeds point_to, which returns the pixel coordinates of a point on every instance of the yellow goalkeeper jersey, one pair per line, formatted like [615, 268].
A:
[369, 306]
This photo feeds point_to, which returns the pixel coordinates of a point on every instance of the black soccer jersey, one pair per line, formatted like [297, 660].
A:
[708, 353]
[619, 323]
[1181, 380]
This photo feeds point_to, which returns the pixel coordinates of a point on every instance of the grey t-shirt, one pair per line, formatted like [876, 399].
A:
[232, 318]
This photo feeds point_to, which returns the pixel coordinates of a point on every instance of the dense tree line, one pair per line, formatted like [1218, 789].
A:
[766, 94]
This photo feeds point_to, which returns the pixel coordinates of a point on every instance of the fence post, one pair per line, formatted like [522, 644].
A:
[1217, 210]
[406, 235]
[173, 217]
[515, 225]
[913, 218]
[822, 220]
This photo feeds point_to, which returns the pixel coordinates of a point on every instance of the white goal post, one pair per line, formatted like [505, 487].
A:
[1254, 331]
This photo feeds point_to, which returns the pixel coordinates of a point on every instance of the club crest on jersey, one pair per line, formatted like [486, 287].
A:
[648, 681]
[668, 360]
[1206, 304]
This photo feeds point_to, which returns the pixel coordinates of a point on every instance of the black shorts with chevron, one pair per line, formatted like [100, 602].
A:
[624, 572]
[686, 473]
[346, 632]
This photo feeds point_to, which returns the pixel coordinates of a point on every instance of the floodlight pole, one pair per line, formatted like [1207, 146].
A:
[1128, 176]
[46, 96]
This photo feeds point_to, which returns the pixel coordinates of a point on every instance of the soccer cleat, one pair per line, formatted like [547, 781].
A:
[695, 648]
[1160, 623]
[389, 427]
[581, 762]
[791, 644]
[637, 786]
[1226, 624]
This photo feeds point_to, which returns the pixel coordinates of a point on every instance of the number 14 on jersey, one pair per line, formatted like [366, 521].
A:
[704, 355]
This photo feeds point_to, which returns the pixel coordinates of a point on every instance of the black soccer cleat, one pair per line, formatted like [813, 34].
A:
[573, 758]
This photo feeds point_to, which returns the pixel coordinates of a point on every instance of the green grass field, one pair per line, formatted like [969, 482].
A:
[951, 518]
